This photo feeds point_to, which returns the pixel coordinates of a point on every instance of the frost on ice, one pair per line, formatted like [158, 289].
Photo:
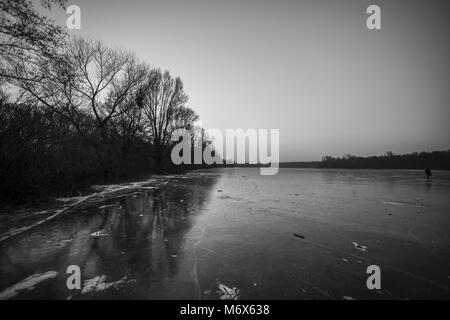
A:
[226, 293]
[27, 284]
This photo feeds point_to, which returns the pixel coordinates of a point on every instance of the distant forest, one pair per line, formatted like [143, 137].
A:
[437, 160]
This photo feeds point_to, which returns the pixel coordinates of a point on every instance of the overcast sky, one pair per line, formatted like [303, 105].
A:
[309, 68]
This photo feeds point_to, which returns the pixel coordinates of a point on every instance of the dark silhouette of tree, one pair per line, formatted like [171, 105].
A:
[26, 36]
[89, 79]
[79, 112]
[435, 160]
[163, 102]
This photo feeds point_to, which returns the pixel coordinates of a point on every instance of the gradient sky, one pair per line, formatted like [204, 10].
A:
[309, 68]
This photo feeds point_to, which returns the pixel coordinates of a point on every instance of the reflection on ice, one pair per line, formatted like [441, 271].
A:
[231, 233]
[27, 284]
[125, 240]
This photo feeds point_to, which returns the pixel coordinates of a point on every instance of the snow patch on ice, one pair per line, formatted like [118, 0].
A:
[98, 233]
[227, 293]
[99, 283]
[360, 247]
[27, 284]
[107, 206]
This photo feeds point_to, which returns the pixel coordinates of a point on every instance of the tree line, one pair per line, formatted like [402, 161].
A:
[438, 160]
[74, 111]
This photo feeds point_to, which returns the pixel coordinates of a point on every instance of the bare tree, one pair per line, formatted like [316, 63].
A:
[163, 102]
[90, 81]
[128, 125]
[80, 107]
[26, 36]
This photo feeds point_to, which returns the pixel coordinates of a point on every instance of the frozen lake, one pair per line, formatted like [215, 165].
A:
[229, 233]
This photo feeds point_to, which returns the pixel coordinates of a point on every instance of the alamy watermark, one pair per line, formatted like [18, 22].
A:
[235, 147]
[373, 21]
[374, 280]
[73, 21]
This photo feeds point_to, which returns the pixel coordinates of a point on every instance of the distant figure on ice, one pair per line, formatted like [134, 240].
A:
[428, 173]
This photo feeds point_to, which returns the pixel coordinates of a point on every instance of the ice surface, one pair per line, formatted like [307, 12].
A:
[302, 234]
[27, 284]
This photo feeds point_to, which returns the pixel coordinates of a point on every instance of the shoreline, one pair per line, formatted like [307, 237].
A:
[27, 216]
[57, 206]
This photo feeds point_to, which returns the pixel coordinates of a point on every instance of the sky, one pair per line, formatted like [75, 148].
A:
[311, 69]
